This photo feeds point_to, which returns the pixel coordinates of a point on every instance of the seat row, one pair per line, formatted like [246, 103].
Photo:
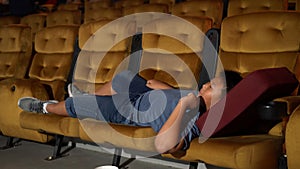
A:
[216, 9]
[163, 52]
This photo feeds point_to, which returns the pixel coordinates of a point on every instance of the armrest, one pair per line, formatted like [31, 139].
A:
[292, 138]
[273, 110]
[291, 102]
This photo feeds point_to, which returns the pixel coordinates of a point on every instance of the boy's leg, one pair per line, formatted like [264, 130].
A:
[129, 82]
[58, 108]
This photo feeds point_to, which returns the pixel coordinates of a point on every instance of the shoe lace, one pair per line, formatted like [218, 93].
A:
[37, 106]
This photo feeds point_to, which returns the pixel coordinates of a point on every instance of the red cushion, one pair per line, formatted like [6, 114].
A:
[234, 113]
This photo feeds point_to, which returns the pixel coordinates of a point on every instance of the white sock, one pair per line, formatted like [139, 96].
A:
[44, 108]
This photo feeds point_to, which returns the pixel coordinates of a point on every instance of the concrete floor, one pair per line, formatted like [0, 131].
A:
[31, 155]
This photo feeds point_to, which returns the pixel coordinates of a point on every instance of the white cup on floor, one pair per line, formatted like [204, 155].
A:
[107, 167]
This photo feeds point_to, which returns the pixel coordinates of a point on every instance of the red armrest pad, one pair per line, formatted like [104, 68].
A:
[259, 86]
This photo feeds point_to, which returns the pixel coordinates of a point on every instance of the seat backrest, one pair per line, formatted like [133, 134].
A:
[35, 21]
[15, 51]
[210, 8]
[92, 4]
[236, 7]
[170, 3]
[173, 54]
[260, 40]
[149, 12]
[102, 13]
[126, 3]
[104, 49]
[68, 7]
[6, 20]
[146, 8]
[54, 48]
[63, 18]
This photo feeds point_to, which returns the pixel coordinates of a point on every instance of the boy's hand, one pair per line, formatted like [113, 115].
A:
[190, 101]
[156, 84]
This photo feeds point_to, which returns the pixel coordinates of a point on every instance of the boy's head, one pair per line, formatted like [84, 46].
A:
[212, 91]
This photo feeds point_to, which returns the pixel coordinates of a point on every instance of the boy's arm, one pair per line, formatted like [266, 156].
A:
[167, 138]
[156, 84]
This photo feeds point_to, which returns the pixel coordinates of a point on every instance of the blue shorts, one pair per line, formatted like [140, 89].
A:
[114, 108]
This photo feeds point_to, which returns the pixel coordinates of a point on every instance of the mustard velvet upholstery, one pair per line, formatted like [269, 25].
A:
[126, 3]
[35, 21]
[236, 7]
[160, 49]
[292, 139]
[50, 123]
[15, 51]
[101, 13]
[69, 7]
[97, 65]
[11, 90]
[146, 8]
[209, 8]
[149, 12]
[242, 152]
[51, 64]
[130, 137]
[92, 5]
[63, 17]
[170, 3]
[7, 20]
[259, 40]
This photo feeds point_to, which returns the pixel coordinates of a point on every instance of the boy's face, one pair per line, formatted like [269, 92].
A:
[212, 91]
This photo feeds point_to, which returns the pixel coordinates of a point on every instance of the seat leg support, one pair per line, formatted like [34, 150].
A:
[10, 143]
[57, 153]
[193, 165]
[127, 162]
[117, 157]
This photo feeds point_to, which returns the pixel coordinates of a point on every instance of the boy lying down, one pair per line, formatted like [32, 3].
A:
[129, 99]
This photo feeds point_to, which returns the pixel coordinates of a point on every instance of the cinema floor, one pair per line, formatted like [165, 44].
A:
[30, 155]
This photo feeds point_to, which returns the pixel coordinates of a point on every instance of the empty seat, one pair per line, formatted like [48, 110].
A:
[47, 75]
[145, 13]
[126, 3]
[209, 8]
[6, 20]
[63, 18]
[54, 50]
[292, 137]
[243, 49]
[170, 3]
[101, 52]
[35, 21]
[146, 8]
[15, 51]
[102, 14]
[92, 4]
[236, 7]
[69, 7]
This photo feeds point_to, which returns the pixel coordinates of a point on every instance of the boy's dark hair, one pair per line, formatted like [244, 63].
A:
[232, 78]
